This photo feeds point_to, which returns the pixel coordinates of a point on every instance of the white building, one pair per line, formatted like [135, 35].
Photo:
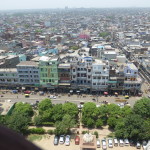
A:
[81, 72]
[100, 75]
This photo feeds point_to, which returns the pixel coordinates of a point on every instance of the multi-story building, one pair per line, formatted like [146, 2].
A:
[9, 61]
[28, 73]
[48, 71]
[8, 77]
[81, 72]
[132, 82]
[100, 75]
[64, 75]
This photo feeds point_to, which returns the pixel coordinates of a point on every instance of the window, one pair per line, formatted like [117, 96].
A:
[94, 83]
[74, 70]
[89, 70]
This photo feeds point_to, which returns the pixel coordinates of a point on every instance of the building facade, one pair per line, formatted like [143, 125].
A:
[28, 73]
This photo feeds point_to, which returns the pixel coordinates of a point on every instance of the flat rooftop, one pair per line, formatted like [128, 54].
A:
[28, 63]
[5, 106]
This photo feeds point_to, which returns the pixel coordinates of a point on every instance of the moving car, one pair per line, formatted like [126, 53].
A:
[104, 146]
[126, 142]
[67, 140]
[56, 140]
[61, 139]
[27, 92]
[98, 143]
[110, 143]
[77, 140]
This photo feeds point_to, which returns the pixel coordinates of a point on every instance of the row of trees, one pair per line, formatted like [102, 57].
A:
[49, 113]
[127, 122]
[19, 119]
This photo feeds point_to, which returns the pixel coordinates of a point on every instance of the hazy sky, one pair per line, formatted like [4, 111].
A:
[29, 4]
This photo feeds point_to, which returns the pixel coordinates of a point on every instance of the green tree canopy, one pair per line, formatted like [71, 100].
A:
[71, 109]
[25, 109]
[18, 122]
[142, 107]
[57, 112]
[63, 127]
[44, 105]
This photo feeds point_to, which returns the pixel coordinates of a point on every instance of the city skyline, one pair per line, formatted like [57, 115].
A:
[15, 4]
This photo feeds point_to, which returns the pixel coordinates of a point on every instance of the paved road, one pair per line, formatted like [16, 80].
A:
[61, 99]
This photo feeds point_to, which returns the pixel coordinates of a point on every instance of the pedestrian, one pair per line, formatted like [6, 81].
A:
[17, 96]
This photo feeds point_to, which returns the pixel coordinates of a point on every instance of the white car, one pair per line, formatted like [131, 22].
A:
[110, 143]
[67, 140]
[121, 143]
[62, 139]
[104, 146]
[126, 142]
[144, 144]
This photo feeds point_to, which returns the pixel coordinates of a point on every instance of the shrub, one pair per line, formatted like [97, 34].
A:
[96, 134]
[48, 124]
[84, 132]
[36, 131]
[50, 132]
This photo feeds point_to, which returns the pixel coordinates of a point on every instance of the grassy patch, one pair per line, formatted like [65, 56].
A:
[35, 137]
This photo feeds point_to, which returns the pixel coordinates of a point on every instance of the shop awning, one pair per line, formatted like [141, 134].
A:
[63, 84]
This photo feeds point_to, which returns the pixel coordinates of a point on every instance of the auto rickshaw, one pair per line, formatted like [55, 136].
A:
[126, 97]
[26, 95]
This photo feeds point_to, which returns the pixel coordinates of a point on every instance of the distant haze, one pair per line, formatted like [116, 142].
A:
[36, 4]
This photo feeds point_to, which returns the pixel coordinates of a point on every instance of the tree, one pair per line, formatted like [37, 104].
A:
[104, 34]
[25, 109]
[142, 107]
[112, 121]
[64, 126]
[132, 127]
[38, 120]
[57, 112]
[125, 111]
[113, 110]
[44, 105]
[90, 123]
[99, 123]
[18, 122]
[71, 109]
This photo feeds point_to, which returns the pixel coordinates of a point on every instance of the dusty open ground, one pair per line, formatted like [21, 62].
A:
[47, 142]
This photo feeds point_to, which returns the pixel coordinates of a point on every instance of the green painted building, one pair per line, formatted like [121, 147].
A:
[48, 71]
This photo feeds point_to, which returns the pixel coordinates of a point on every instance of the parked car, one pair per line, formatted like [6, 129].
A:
[115, 142]
[67, 140]
[98, 143]
[56, 140]
[61, 139]
[144, 144]
[121, 143]
[138, 145]
[77, 140]
[104, 146]
[132, 143]
[126, 142]
[110, 143]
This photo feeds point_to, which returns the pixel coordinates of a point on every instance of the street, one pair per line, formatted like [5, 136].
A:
[62, 98]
